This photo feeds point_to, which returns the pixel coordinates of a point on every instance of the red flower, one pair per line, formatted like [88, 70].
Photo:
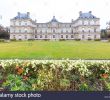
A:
[20, 71]
[104, 75]
[25, 78]
[17, 67]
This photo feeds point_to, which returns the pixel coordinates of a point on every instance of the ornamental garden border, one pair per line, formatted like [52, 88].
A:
[54, 75]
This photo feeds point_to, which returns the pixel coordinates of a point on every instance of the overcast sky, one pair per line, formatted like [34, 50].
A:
[64, 10]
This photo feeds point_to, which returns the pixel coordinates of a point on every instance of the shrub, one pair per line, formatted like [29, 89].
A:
[77, 39]
[30, 39]
[46, 39]
[97, 39]
[13, 40]
[89, 39]
[56, 75]
[2, 40]
[62, 40]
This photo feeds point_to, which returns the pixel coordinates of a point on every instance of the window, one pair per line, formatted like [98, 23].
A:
[19, 23]
[66, 31]
[25, 31]
[14, 31]
[89, 31]
[72, 36]
[14, 36]
[14, 23]
[53, 31]
[35, 36]
[85, 22]
[25, 36]
[45, 36]
[80, 22]
[19, 31]
[92, 22]
[19, 37]
[40, 36]
[95, 36]
[82, 36]
[53, 36]
[72, 31]
[83, 31]
[25, 24]
[61, 36]
[41, 31]
[95, 30]
[35, 31]
[66, 36]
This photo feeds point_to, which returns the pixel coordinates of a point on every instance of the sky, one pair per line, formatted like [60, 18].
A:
[63, 10]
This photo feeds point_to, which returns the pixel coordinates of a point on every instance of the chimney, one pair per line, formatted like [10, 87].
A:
[72, 20]
[90, 12]
[35, 21]
[80, 12]
[18, 14]
[28, 14]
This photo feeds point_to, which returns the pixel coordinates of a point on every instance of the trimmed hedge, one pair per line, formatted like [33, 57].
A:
[51, 75]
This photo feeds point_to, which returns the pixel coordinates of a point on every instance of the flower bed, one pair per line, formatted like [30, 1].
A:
[54, 75]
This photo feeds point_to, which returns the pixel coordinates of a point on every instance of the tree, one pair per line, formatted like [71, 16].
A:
[4, 33]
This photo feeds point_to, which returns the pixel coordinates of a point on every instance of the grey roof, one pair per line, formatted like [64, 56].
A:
[86, 15]
[54, 19]
[22, 16]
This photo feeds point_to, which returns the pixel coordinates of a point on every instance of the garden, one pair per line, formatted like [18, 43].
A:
[54, 75]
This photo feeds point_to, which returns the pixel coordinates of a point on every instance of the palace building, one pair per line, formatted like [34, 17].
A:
[86, 26]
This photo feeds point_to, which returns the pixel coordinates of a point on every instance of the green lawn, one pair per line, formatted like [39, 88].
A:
[55, 50]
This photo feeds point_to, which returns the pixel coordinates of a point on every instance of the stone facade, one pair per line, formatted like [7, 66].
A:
[85, 27]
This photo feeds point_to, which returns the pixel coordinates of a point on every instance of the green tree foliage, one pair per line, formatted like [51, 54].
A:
[4, 33]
